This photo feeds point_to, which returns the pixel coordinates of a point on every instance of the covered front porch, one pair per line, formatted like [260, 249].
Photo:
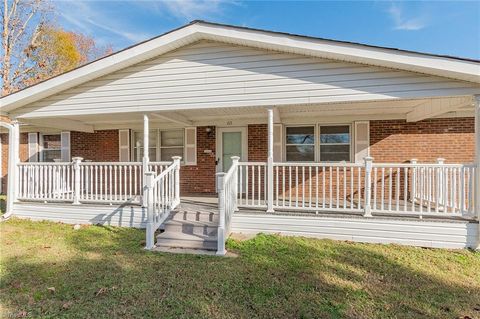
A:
[253, 183]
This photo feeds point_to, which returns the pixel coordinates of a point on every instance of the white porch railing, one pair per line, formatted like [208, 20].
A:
[45, 181]
[228, 186]
[413, 189]
[162, 193]
[82, 182]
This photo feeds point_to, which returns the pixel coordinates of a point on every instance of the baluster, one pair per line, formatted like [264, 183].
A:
[405, 188]
[324, 197]
[316, 187]
[115, 181]
[290, 186]
[344, 187]
[330, 182]
[296, 186]
[247, 184]
[397, 190]
[303, 186]
[276, 185]
[390, 177]
[382, 202]
[375, 173]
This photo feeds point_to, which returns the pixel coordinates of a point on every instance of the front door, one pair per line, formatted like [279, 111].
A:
[231, 141]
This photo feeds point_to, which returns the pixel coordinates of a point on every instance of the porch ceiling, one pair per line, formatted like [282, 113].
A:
[411, 110]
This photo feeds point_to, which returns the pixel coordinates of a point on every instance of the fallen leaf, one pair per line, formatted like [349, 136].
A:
[101, 291]
[67, 305]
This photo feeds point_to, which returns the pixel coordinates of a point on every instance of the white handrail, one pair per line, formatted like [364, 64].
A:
[430, 189]
[227, 203]
[82, 182]
[162, 193]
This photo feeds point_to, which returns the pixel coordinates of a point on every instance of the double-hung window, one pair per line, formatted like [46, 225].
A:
[300, 144]
[325, 143]
[334, 143]
[51, 147]
[163, 145]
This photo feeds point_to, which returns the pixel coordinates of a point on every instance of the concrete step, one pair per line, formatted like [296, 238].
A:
[182, 215]
[181, 240]
[191, 227]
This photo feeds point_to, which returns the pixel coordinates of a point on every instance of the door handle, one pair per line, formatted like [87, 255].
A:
[216, 161]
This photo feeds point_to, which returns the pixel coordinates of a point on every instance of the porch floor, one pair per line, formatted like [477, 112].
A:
[210, 204]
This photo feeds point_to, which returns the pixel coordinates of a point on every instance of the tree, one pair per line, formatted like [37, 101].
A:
[35, 49]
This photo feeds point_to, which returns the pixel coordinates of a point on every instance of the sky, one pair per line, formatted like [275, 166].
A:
[443, 27]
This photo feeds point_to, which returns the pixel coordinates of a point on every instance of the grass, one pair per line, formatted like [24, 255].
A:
[3, 204]
[49, 270]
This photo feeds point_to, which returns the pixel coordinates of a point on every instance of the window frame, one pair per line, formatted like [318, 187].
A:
[285, 144]
[350, 133]
[158, 147]
[317, 131]
[42, 149]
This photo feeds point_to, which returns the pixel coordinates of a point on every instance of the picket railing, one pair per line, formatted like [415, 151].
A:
[82, 182]
[252, 186]
[162, 193]
[45, 181]
[228, 187]
[436, 189]
[114, 182]
[319, 186]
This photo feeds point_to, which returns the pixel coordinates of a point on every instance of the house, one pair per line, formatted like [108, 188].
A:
[212, 128]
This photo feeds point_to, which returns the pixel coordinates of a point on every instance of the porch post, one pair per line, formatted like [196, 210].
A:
[76, 177]
[146, 160]
[14, 159]
[476, 103]
[270, 163]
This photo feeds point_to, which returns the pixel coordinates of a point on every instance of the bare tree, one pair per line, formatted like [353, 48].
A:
[22, 22]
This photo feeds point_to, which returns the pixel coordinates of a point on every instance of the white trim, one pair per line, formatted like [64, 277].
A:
[158, 143]
[317, 139]
[356, 53]
[218, 140]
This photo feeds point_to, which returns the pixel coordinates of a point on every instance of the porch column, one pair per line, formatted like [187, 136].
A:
[476, 104]
[145, 160]
[13, 160]
[270, 163]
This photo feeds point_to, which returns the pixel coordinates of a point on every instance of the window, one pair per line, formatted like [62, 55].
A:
[51, 148]
[300, 144]
[335, 143]
[163, 145]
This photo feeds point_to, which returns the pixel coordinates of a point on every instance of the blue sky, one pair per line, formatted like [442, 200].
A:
[451, 28]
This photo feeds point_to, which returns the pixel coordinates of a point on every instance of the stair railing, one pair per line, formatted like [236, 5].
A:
[227, 184]
[162, 193]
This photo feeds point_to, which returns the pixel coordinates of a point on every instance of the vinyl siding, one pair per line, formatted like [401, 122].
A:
[123, 216]
[210, 74]
[439, 234]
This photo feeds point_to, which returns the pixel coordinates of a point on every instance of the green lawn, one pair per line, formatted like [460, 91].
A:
[50, 270]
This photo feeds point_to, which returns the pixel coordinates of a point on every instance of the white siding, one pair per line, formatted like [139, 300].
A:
[209, 74]
[448, 234]
[123, 216]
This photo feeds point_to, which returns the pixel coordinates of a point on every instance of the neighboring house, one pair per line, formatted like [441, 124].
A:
[334, 139]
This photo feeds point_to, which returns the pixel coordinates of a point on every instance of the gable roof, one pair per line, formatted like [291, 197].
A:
[439, 65]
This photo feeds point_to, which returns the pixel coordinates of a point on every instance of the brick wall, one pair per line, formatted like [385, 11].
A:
[257, 143]
[101, 146]
[201, 177]
[391, 141]
[399, 141]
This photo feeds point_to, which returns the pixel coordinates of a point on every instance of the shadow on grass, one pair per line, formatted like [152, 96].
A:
[3, 204]
[106, 273]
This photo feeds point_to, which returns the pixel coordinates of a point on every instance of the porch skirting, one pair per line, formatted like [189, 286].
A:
[455, 234]
[112, 215]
